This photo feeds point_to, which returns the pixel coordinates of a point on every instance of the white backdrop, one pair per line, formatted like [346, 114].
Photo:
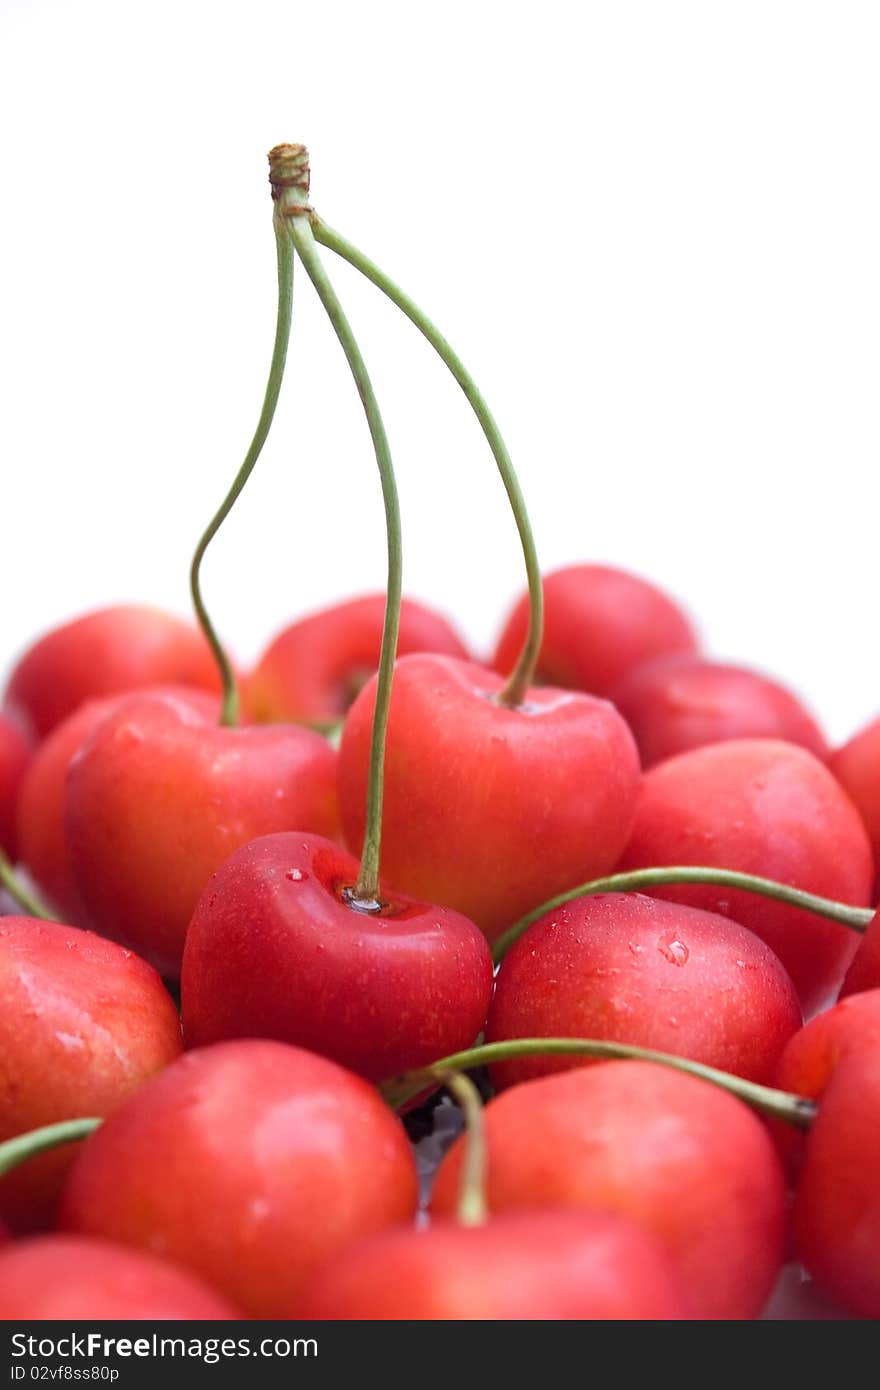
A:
[650, 229]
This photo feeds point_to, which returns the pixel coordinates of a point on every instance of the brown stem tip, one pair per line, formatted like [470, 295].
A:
[289, 178]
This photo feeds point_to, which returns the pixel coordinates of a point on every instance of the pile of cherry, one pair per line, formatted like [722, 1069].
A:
[264, 918]
[258, 1170]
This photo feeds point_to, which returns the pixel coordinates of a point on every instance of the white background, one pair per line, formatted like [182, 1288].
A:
[651, 229]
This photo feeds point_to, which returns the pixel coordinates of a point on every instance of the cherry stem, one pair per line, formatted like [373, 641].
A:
[473, 1208]
[288, 190]
[514, 691]
[16, 889]
[37, 1141]
[635, 880]
[366, 893]
[781, 1105]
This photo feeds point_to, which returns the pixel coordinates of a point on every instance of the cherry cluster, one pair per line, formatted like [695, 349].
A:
[590, 887]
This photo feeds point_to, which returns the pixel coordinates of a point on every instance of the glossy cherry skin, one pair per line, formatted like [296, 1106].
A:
[679, 1157]
[104, 653]
[864, 970]
[83, 1023]
[554, 1265]
[857, 767]
[490, 809]
[42, 803]
[274, 950]
[312, 671]
[74, 1278]
[599, 624]
[159, 796]
[681, 702]
[633, 969]
[767, 808]
[837, 1207]
[250, 1163]
[811, 1057]
[15, 754]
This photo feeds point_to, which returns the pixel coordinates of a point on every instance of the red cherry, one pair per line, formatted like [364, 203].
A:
[599, 623]
[530, 1265]
[250, 1163]
[811, 1057]
[104, 653]
[82, 1024]
[864, 970]
[490, 809]
[857, 767]
[274, 950]
[681, 702]
[15, 753]
[42, 804]
[159, 797]
[676, 1155]
[312, 671]
[768, 808]
[72, 1278]
[837, 1208]
[632, 969]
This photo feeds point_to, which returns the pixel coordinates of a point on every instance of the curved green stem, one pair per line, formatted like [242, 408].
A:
[473, 1208]
[16, 889]
[37, 1141]
[782, 1105]
[521, 678]
[285, 197]
[367, 891]
[635, 880]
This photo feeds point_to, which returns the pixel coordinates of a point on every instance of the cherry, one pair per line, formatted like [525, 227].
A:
[676, 1155]
[72, 1278]
[857, 767]
[600, 623]
[15, 753]
[638, 970]
[812, 1055]
[680, 702]
[104, 653]
[769, 808]
[82, 1024]
[488, 808]
[276, 949]
[249, 1163]
[837, 1207]
[520, 1265]
[159, 796]
[312, 671]
[864, 970]
[42, 806]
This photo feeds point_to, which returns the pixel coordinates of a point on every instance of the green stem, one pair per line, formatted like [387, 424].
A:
[366, 894]
[521, 678]
[473, 1208]
[635, 880]
[285, 164]
[781, 1105]
[16, 889]
[37, 1141]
